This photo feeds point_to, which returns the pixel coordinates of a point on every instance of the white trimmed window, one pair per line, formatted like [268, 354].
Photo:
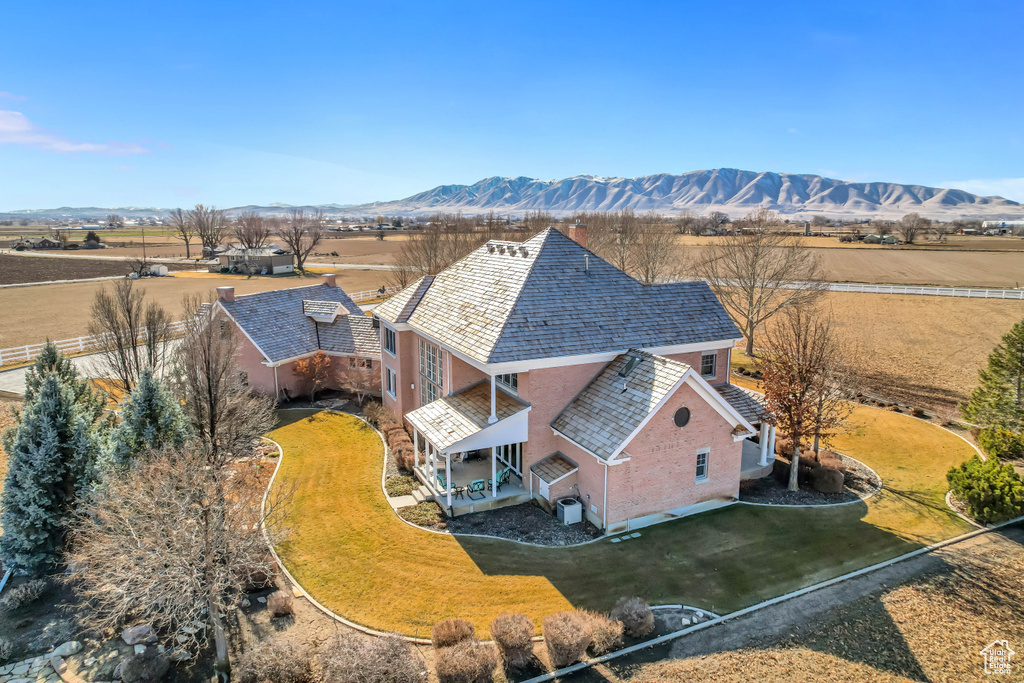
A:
[392, 381]
[702, 464]
[354, 362]
[431, 381]
[708, 361]
[389, 340]
[509, 381]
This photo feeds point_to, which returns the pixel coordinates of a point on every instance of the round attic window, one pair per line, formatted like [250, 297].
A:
[682, 417]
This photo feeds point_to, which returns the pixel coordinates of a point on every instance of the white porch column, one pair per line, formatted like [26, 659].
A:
[448, 477]
[771, 441]
[433, 463]
[415, 447]
[494, 403]
[763, 442]
[494, 469]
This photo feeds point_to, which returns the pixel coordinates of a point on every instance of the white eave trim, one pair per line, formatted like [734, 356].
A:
[336, 354]
[562, 361]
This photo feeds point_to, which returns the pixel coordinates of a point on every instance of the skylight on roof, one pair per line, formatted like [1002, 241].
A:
[631, 363]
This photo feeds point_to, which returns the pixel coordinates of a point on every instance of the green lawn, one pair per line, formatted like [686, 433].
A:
[352, 553]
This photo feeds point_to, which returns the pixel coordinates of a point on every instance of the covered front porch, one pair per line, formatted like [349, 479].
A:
[758, 458]
[469, 449]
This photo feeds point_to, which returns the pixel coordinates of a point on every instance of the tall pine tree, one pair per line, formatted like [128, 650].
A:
[998, 400]
[51, 458]
[151, 419]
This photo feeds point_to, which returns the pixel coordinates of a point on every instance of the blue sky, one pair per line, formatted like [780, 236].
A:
[229, 103]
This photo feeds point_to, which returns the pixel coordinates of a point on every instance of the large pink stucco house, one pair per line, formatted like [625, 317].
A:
[278, 328]
[537, 370]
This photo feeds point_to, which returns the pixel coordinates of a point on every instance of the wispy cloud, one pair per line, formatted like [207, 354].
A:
[11, 96]
[16, 129]
[1010, 188]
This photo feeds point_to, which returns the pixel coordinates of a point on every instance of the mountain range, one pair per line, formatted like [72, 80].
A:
[730, 190]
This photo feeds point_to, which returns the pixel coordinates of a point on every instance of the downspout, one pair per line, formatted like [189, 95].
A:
[604, 505]
[277, 391]
[316, 326]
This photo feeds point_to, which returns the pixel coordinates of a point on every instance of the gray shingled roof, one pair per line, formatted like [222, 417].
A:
[451, 419]
[549, 297]
[554, 467]
[603, 416]
[277, 323]
[321, 309]
[747, 403]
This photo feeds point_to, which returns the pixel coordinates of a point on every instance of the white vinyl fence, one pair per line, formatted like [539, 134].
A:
[23, 354]
[966, 292]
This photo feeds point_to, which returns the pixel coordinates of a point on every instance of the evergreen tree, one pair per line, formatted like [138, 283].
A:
[51, 458]
[998, 400]
[151, 419]
[51, 361]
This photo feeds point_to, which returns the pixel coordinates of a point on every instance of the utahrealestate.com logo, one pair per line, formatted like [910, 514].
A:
[997, 657]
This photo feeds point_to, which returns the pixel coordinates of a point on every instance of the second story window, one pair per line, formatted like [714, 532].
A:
[707, 363]
[389, 340]
[509, 381]
[431, 384]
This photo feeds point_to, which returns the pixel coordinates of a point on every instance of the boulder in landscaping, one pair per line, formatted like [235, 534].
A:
[148, 667]
[67, 649]
[140, 633]
[827, 480]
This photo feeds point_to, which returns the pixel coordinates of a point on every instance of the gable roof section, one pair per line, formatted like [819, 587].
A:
[603, 417]
[277, 323]
[549, 297]
[608, 413]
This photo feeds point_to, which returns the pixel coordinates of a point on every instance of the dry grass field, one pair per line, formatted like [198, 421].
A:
[61, 311]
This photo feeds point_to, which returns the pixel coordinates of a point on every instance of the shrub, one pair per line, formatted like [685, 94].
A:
[513, 634]
[428, 513]
[378, 414]
[827, 480]
[22, 595]
[636, 616]
[567, 636]
[605, 633]
[918, 412]
[402, 485]
[404, 457]
[448, 632]
[274, 662]
[1001, 443]
[391, 429]
[991, 491]
[468, 661]
[280, 603]
[388, 659]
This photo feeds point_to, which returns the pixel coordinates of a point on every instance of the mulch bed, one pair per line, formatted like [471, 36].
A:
[859, 483]
[525, 522]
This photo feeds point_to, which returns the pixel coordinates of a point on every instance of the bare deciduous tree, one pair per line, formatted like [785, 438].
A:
[621, 247]
[750, 272]
[224, 413]
[251, 230]
[302, 233]
[807, 382]
[911, 226]
[114, 220]
[445, 239]
[183, 229]
[174, 540]
[61, 236]
[359, 380]
[208, 225]
[655, 254]
[882, 227]
[133, 334]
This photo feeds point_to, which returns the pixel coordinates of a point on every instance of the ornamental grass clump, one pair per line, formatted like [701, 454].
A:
[448, 632]
[513, 634]
[387, 659]
[636, 616]
[605, 633]
[567, 635]
[279, 662]
[468, 661]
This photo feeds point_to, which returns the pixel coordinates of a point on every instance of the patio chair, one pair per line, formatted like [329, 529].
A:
[476, 486]
[503, 477]
[442, 483]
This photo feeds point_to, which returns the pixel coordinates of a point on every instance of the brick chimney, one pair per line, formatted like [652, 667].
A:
[330, 279]
[226, 293]
[578, 233]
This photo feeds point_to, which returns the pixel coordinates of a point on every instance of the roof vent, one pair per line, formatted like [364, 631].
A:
[523, 251]
[501, 248]
[630, 364]
[490, 247]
